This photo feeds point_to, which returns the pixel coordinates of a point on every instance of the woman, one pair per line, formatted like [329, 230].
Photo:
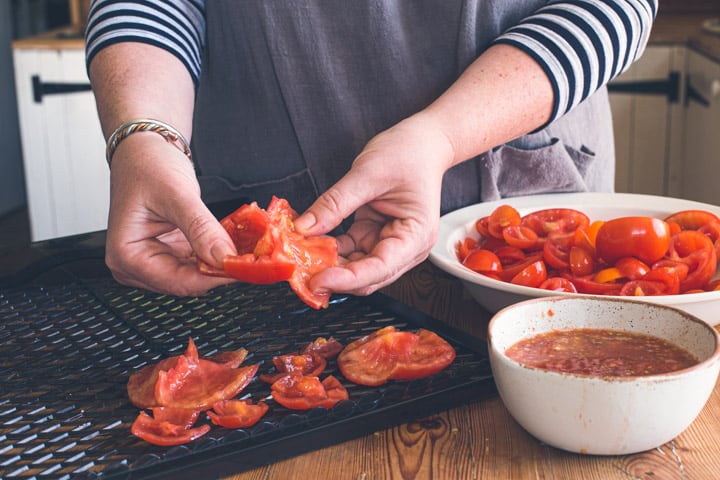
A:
[372, 116]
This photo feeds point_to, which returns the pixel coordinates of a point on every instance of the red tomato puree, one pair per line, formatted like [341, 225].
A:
[600, 352]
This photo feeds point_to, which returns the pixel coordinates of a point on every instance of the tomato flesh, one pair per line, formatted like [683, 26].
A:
[270, 250]
[390, 354]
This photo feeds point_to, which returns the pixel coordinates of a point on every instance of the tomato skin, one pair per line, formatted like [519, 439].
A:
[531, 276]
[503, 216]
[483, 261]
[692, 219]
[520, 236]
[390, 354]
[581, 261]
[645, 238]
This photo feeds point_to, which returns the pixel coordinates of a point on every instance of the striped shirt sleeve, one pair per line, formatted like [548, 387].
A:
[583, 44]
[177, 26]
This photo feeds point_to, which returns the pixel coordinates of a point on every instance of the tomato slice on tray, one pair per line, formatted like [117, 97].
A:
[237, 413]
[270, 250]
[301, 392]
[390, 354]
[187, 381]
[168, 426]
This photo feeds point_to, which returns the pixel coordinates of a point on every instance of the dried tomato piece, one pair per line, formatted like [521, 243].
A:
[237, 413]
[168, 426]
[300, 392]
[187, 381]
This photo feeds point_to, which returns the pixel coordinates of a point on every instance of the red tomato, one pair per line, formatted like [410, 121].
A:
[299, 392]
[631, 268]
[556, 254]
[692, 219]
[558, 220]
[558, 284]
[483, 261]
[587, 284]
[639, 288]
[510, 270]
[389, 354]
[237, 413]
[697, 251]
[520, 236]
[581, 261]
[270, 250]
[310, 364]
[503, 216]
[645, 238]
[531, 276]
[187, 381]
[465, 247]
[326, 348]
[508, 254]
[168, 426]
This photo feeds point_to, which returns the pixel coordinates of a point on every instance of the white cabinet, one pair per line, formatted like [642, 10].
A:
[700, 170]
[66, 177]
[646, 103]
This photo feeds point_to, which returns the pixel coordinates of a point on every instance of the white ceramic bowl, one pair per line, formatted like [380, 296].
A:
[494, 294]
[595, 415]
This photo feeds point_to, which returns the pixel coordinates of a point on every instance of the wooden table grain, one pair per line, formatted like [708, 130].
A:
[481, 440]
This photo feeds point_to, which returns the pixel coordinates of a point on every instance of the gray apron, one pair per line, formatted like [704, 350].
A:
[292, 90]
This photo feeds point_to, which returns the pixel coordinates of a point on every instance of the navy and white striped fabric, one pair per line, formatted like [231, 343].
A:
[581, 44]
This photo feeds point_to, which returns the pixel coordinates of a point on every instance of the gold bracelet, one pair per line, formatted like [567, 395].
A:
[170, 134]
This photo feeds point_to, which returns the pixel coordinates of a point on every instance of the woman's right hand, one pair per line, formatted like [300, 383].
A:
[158, 223]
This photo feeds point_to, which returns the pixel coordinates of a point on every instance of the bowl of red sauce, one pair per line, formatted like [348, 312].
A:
[602, 376]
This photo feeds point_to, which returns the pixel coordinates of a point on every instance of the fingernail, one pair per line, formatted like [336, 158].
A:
[305, 221]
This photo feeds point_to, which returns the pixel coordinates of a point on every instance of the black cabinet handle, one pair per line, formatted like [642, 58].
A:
[669, 87]
[41, 88]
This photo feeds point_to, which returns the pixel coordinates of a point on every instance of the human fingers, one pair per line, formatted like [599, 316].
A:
[402, 245]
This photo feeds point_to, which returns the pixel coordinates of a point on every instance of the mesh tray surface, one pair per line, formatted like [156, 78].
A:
[68, 349]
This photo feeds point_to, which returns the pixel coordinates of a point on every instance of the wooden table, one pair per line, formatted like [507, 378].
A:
[481, 440]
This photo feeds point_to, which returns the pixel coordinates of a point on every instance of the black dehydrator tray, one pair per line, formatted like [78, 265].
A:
[69, 344]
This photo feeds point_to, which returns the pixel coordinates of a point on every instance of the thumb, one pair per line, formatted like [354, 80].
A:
[207, 237]
[332, 207]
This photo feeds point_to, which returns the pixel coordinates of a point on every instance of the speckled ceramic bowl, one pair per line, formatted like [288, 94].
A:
[603, 415]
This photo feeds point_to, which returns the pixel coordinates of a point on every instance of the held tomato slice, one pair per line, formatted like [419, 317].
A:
[270, 250]
[237, 413]
[390, 354]
[645, 238]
